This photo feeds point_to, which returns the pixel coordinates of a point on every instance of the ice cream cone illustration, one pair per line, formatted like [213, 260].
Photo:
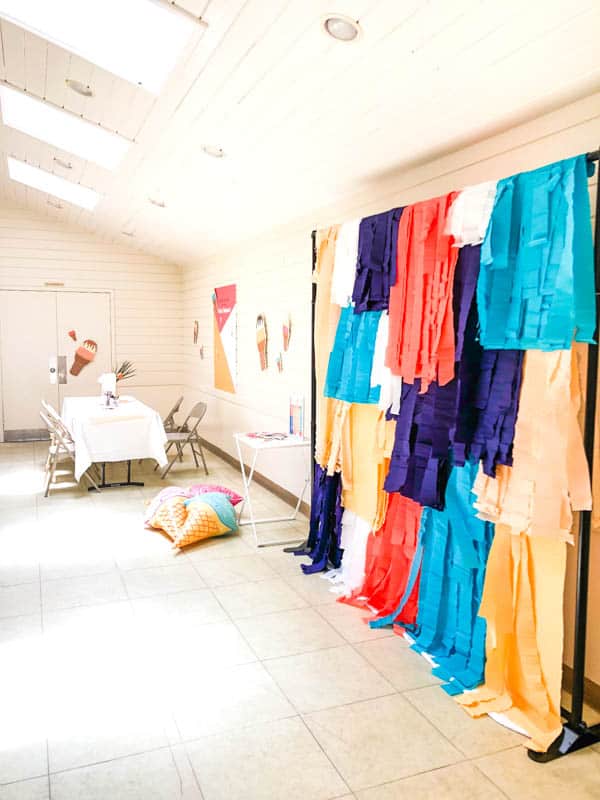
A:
[261, 340]
[287, 334]
[83, 356]
[73, 335]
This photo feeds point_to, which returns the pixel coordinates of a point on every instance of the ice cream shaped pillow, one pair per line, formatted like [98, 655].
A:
[84, 354]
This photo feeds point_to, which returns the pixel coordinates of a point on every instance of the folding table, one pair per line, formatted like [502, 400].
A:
[257, 446]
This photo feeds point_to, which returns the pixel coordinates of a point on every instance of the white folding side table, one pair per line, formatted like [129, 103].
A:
[257, 446]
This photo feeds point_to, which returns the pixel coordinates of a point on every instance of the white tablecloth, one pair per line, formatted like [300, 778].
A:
[130, 431]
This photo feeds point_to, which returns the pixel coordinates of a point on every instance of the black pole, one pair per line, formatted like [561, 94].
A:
[313, 374]
[313, 388]
[576, 734]
[585, 517]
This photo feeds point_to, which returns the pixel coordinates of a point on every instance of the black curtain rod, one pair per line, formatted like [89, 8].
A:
[594, 155]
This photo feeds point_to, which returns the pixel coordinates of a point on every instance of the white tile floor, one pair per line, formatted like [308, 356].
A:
[128, 672]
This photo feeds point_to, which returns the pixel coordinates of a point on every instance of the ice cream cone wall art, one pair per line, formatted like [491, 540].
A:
[84, 355]
[287, 333]
[262, 341]
[225, 337]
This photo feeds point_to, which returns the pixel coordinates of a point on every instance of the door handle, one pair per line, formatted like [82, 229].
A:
[53, 369]
[62, 368]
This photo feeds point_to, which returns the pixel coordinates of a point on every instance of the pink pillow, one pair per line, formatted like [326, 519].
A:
[203, 488]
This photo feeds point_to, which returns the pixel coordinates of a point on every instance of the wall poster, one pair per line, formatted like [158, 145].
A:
[225, 337]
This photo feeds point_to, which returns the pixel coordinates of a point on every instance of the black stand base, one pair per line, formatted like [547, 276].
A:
[115, 484]
[294, 547]
[571, 739]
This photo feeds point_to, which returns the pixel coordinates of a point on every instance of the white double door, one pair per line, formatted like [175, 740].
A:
[40, 334]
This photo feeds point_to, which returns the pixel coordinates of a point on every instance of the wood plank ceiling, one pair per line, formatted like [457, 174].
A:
[303, 120]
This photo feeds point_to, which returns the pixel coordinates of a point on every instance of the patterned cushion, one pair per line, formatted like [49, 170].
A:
[202, 522]
[170, 516]
[158, 500]
[187, 525]
[201, 488]
[221, 505]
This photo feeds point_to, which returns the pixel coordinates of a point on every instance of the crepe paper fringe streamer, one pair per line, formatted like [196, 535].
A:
[550, 475]
[426, 423]
[355, 536]
[522, 604]
[486, 423]
[455, 545]
[351, 360]
[323, 544]
[469, 215]
[343, 274]
[472, 416]
[376, 263]
[536, 284]
[421, 342]
[390, 553]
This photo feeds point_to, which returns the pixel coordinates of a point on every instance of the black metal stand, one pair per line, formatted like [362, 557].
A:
[576, 734]
[313, 390]
[115, 484]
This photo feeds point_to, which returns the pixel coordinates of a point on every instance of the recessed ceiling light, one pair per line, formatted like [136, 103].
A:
[213, 150]
[158, 202]
[342, 28]
[62, 163]
[51, 184]
[80, 88]
[61, 129]
[138, 40]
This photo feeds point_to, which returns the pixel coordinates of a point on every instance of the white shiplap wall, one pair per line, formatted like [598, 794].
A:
[147, 293]
[273, 276]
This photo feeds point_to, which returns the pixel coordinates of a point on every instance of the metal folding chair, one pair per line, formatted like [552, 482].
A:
[169, 423]
[171, 426]
[61, 444]
[187, 434]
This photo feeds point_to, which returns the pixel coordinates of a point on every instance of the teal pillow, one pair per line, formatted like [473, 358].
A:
[221, 505]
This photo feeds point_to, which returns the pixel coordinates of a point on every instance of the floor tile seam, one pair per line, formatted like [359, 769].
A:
[261, 614]
[326, 754]
[233, 622]
[191, 766]
[468, 757]
[153, 566]
[102, 761]
[349, 641]
[302, 653]
[430, 722]
[422, 772]
[47, 742]
[75, 577]
[389, 694]
[487, 777]
[24, 583]
[238, 583]
[244, 727]
[48, 770]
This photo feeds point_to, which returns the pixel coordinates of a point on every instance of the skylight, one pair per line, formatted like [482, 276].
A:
[52, 184]
[138, 40]
[61, 129]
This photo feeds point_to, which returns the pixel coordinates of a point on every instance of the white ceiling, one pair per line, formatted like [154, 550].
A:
[303, 119]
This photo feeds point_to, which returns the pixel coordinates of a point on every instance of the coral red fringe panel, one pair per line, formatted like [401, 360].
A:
[390, 553]
[421, 339]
